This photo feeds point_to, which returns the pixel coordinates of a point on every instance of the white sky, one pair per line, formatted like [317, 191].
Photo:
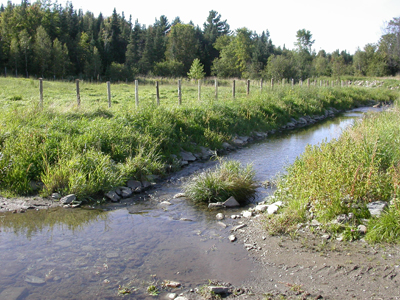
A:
[334, 24]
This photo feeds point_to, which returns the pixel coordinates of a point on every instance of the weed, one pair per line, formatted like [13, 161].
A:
[152, 290]
[228, 179]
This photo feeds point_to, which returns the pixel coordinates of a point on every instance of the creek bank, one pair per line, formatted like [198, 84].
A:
[21, 204]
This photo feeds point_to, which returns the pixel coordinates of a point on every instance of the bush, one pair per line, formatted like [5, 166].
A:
[228, 179]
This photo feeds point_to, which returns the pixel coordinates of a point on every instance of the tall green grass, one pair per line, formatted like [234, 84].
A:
[92, 148]
[344, 175]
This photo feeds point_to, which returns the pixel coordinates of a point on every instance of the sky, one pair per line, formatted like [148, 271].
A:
[335, 24]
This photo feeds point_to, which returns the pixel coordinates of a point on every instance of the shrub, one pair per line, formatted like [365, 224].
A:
[228, 179]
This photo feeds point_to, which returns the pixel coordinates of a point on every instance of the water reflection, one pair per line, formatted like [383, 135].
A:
[34, 222]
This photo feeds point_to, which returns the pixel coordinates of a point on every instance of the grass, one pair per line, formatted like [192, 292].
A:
[343, 176]
[90, 149]
[228, 179]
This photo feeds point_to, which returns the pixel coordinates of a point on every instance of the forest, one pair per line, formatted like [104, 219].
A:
[45, 39]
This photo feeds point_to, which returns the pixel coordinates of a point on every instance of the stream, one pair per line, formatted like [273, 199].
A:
[90, 253]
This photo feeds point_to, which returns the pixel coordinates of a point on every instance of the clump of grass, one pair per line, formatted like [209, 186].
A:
[228, 179]
[386, 228]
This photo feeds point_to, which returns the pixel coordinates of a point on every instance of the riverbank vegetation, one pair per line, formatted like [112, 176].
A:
[89, 149]
[334, 182]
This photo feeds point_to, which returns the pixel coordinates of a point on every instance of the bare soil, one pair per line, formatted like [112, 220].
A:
[306, 266]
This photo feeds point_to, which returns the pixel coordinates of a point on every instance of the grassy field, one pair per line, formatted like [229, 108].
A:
[89, 149]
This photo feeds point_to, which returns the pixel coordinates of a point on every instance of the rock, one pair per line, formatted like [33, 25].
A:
[232, 238]
[216, 205]
[315, 223]
[326, 236]
[112, 255]
[68, 199]
[134, 184]
[272, 209]
[179, 195]
[13, 293]
[238, 227]
[55, 196]
[146, 185]
[125, 192]
[376, 208]
[165, 203]
[261, 208]
[181, 298]
[227, 146]
[172, 284]
[219, 289]
[172, 296]
[362, 229]
[113, 196]
[247, 214]
[187, 156]
[205, 153]
[235, 216]
[222, 224]
[34, 280]
[186, 219]
[231, 202]
[238, 141]
[220, 216]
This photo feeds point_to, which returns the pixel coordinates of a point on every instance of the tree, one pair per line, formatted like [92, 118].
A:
[182, 45]
[389, 45]
[278, 67]
[304, 40]
[42, 50]
[213, 28]
[15, 55]
[25, 46]
[196, 71]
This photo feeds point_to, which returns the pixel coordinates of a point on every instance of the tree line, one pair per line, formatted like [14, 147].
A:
[45, 39]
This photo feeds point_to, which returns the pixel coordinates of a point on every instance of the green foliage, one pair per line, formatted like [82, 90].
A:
[92, 148]
[342, 176]
[169, 68]
[228, 179]
[196, 70]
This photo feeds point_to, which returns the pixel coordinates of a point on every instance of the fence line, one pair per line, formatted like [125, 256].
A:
[322, 83]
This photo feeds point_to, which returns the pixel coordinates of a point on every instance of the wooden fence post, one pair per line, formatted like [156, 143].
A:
[272, 83]
[179, 93]
[199, 90]
[292, 82]
[216, 88]
[78, 95]
[234, 89]
[308, 82]
[157, 94]
[137, 93]
[41, 92]
[261, 85]
[109, 93]
[301, 82]
[283, 81]
[248, 87]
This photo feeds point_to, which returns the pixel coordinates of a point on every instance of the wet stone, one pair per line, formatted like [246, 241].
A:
[220, 216]
[13, 293]
[112, 255]
[68, 199]
[219, 289]
[134, 184]
[232, 238]
[231, 202]
[34, 280]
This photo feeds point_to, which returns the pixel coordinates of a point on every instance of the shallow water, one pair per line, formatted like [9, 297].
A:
[89, 253]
